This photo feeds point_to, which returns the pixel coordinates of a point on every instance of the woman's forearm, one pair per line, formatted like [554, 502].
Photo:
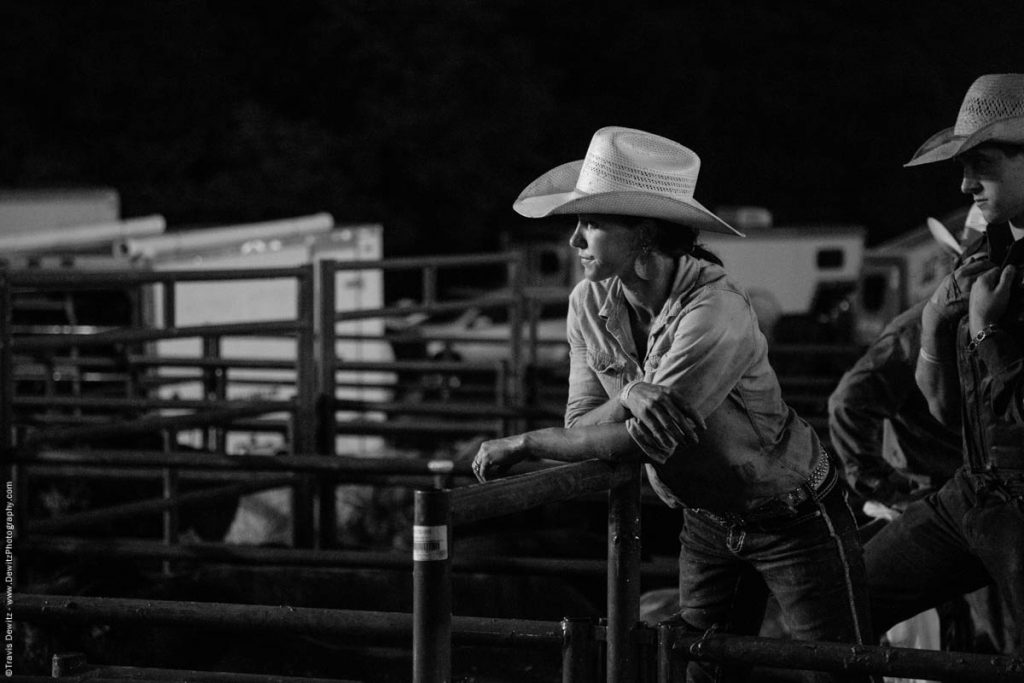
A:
[609, 411]
[608, 441]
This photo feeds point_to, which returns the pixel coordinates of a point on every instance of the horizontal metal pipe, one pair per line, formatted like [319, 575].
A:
[424, 336]
[424, 366]
[409, 481]
[340, 464]
[393, 628]
[440, 408]
[438, 261]
[79, 279]
[845, 657]
[325, 559]
[526, 491]
[433, 427]
[153, 675]
[483, 302]
[150, 424]
[265, 328]
[211, 362]
[85, 472]
[153, 505]
[116, 403]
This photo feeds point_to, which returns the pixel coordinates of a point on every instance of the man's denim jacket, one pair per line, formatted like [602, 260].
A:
[992, 376]
[706, 342]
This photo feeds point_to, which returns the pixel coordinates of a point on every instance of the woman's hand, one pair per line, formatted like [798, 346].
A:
[495, 457]
[664, 413]
[990, 296]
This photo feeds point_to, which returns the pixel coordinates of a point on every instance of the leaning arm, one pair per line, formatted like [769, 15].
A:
[609, 442]
[936, 372]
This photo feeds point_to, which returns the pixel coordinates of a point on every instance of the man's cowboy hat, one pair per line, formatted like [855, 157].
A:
[992, 111]
[628, 173]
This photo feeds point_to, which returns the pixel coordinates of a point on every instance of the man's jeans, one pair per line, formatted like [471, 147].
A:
[810, 560]
[968, 534]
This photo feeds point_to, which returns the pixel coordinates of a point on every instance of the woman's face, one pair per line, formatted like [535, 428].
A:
[607, 246]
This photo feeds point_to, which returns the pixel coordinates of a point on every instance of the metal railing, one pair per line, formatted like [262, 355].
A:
[438, 512]
[629, 651]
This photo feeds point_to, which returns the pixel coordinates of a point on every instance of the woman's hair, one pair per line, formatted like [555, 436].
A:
[676, 239]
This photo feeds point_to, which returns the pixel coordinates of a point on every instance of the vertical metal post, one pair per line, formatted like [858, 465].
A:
[579, 650]
[68, 664]
[304, 420]
[6, 367]
[214, 389]
[325, 362]
[515, 282]
[171, 525]
[432, 588]
[670, 667]
[623, 578]
[429, 284]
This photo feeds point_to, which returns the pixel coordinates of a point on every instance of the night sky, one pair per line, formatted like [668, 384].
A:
[430, 117]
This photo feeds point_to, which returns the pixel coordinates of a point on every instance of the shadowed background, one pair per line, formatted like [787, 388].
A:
[430, 117]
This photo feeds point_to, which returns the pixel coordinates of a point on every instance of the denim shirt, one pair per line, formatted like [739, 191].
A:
[706, 342]
[992, 376]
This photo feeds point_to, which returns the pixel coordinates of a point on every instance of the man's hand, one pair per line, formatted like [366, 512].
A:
[990, 296]
[949, 302]
[664, 413]
[495, 457]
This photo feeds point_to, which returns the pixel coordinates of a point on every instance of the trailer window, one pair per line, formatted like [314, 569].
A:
[872, 294]
[830, 259]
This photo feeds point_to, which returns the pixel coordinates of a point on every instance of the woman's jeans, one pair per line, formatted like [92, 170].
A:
[809, 559]
[968, 534]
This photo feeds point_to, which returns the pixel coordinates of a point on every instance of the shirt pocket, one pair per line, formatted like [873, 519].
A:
[608, 368]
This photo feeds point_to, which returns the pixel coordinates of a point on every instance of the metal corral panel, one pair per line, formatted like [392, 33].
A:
[254, 248]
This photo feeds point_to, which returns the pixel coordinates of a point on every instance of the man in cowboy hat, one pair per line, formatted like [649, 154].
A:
[668, 367]
[970, 533]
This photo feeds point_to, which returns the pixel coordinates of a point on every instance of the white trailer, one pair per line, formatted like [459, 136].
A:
[274, 244]
[796, 272]
[23, 211]
[900, 272]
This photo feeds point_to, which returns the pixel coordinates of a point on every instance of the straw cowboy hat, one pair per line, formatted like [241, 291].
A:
[992, 111]
[626, 172]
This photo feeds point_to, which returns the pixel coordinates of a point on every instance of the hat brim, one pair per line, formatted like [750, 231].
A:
[555, 193]
[946, 145]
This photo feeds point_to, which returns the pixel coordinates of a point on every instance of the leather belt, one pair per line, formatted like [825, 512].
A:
[784, 504]
[801, 493]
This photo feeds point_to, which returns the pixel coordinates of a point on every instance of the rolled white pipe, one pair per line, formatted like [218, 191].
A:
[82, 236]
[208, 238]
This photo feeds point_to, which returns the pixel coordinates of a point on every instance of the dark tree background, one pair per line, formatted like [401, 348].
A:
[430, 117]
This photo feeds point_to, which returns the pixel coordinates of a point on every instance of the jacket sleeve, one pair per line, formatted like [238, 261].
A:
[1001, 354]
[874, 389]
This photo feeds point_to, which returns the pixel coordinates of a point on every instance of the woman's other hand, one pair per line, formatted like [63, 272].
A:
[664, 413]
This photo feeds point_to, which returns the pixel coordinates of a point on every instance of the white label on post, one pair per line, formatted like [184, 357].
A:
[429, 543]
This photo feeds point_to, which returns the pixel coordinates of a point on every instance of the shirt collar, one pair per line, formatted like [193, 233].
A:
[1002, 248]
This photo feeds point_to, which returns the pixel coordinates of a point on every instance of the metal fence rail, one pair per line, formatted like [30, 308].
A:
[676, 646]
[358, 626]
[438, 512]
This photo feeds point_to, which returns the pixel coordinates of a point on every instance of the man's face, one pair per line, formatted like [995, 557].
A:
[996, 183]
